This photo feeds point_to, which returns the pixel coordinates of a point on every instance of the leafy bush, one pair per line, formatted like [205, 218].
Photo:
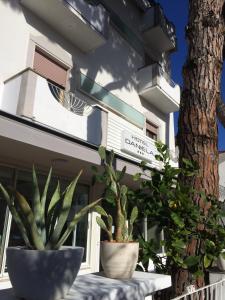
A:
[170, 205]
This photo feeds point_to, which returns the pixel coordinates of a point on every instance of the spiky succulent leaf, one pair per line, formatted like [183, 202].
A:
[65, 209]
[43, 203]
[36, 203]
[44, 194]
[15, 215]
[51, 216]
[29, 216]
[74, 222]
[54, 200]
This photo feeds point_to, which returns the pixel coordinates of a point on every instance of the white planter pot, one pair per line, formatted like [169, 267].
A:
[119, 260]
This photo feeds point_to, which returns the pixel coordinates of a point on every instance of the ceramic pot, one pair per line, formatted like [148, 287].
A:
[43, 274]
[119, 259]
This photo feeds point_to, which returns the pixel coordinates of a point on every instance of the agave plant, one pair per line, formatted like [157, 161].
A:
[116, 193]
[45, 224]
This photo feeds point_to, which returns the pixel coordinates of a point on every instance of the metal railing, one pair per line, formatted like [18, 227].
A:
[70, 101]
[167, 26]
[214, 291]
[166, 76]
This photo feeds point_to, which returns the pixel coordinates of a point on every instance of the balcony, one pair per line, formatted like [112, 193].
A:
[158, 32]
[32, 97]
[156, 87]
[85, 25]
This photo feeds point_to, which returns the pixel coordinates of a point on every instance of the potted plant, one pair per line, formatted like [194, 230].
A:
[43, 269]
[119, 254]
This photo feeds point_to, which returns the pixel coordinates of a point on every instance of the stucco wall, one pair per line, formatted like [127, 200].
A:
[113, 65]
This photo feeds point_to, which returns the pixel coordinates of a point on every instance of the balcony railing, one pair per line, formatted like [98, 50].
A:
[158, 88]
[215, 291]
[158, 31]
[70, 101]
[33, 97]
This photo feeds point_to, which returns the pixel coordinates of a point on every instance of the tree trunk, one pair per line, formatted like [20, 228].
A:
[197, 135]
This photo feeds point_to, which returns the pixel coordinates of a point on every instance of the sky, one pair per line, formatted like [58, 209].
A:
[177, 12]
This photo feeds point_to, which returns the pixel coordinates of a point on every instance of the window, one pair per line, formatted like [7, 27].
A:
[151, 130]
[49, 68]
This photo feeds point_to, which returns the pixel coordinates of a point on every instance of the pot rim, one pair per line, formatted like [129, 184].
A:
[64, 248]
[116, 243]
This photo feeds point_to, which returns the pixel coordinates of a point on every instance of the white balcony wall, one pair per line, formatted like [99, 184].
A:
[48, 111]
[155, 88]
[10, 95]
[43, 108]
[95, 15]
[83, 24]
[172, 91]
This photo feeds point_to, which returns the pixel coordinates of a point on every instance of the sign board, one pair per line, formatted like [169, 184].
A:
[138, 146]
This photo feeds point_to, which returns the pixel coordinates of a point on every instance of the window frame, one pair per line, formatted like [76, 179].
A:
[149, 129]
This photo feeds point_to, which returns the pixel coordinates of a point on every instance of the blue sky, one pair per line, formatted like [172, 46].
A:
[177, 12]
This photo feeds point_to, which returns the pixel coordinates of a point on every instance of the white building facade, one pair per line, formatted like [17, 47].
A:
[74, 75]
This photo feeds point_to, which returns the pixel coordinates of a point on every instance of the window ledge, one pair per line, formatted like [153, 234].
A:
[95, 286]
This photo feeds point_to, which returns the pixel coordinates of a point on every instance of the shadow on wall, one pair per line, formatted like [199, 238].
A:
[115, 59]
[13, 4]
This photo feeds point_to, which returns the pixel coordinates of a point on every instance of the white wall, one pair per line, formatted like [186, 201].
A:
[113, 65]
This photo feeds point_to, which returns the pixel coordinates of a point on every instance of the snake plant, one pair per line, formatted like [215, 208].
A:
[44, 223]
[116, 193]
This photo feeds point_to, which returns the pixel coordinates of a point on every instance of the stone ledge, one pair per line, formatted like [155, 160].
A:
[97, 287]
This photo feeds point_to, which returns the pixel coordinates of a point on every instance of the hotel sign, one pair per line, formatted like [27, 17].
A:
[138, 146]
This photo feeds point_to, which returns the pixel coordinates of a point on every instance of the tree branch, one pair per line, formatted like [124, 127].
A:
[220, 110]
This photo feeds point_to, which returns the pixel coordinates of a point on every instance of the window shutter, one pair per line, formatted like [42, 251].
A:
[49, 68]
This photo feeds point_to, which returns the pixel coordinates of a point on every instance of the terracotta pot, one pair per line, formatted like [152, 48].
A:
[119, 260]
[43, 274]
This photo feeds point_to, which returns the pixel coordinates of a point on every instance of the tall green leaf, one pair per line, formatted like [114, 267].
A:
[75, 220]
[16, 217]
[29, 216]
[51, 217]
[36, 203]
[65, 209]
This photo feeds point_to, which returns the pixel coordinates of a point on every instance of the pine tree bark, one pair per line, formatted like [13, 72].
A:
[197, 134]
